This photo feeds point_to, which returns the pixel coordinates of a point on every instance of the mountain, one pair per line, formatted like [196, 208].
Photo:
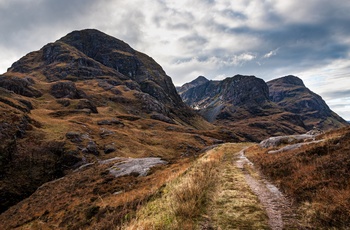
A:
[254, 108]
[82, 99]
[290, 93]
[232, 98]
[196, 82]
[93, 55]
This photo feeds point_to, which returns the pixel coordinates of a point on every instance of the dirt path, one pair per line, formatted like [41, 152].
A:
[244, 199]
[277, 206]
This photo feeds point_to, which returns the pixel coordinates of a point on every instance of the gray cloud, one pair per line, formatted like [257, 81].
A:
[214, 38]
[338, 94]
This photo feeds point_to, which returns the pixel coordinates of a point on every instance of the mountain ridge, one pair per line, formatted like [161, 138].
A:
[285, 100]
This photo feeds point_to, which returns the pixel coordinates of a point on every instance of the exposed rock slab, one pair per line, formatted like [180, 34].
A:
[294, 146]
[279, 140]
[135, 166]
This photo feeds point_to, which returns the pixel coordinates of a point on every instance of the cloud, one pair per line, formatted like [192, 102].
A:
[189, 38]
[338, 94]
[271, 53]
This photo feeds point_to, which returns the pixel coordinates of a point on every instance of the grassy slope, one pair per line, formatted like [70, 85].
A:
[142, 137]
[315, 176]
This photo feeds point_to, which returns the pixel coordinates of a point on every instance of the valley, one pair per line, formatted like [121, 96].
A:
[94, 135]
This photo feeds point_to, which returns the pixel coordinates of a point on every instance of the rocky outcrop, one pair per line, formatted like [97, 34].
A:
[21, 86]
[135, 166]
[291, 94]
[66, 90]
[86, 104]
[283, 140]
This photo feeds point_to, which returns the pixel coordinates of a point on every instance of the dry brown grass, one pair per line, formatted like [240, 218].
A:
[89, 199]
[315, 176]
[234, 205]
[182, 201]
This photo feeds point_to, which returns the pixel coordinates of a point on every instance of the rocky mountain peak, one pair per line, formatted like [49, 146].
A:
[292, 95]
[241, 89]
[196, 82]
[92, 42]
[226, 99]
[288, 80]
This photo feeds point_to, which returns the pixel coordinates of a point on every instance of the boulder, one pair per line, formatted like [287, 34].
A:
[86, 104]
[109, 148]
[74, 137]
[66, 90]
[161, 117]
[92, 148]
[280, 140]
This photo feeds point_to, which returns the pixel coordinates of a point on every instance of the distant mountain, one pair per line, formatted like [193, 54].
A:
[232, 98]
[196, 82]
[255, 109]
[290, 93]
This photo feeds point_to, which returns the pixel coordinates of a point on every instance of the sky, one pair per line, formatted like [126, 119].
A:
[212, 38]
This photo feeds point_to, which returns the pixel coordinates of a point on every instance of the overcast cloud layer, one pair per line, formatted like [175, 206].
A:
[214, 38]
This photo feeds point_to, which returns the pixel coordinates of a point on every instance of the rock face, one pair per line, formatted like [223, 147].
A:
[21, 86]
[66, 90]
[290, 93]
[226, 99]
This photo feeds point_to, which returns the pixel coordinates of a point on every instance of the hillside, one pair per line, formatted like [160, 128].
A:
[82, 99]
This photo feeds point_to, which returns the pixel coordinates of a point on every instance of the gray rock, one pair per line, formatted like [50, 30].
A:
[74, 137]
[109, 149]
[277, 141]
[66, 90]
[292, 147]
[19, 86]
[161, 117]
[106, 132]
[86, 104]
[92, 148]
[135, 166]
[64, 102]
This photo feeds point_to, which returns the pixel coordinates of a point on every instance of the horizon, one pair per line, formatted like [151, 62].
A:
[215, 39]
